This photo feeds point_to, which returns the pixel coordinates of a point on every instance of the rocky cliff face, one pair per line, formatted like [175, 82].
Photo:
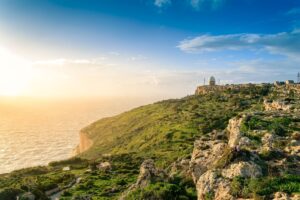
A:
[216, 162]
[84, 143]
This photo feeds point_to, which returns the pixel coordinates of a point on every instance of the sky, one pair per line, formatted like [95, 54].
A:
[163, 48]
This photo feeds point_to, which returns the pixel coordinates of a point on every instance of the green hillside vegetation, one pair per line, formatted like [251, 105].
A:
[165, 132]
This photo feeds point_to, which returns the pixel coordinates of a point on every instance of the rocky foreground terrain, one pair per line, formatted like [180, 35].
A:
[235, 142]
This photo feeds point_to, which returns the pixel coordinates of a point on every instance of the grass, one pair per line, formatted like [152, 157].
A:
[165, 132]
[249, 188]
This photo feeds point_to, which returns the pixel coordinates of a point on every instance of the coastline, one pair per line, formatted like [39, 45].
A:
[84, 144]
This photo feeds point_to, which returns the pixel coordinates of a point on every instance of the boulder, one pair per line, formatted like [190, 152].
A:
[268, 141]
[104, 166]
[234, 131]
[243, 169]
[148, 173]
[211, 183]
[276, 105]
[204, 156]
[181, 167]
[244, 142]
[281, 196]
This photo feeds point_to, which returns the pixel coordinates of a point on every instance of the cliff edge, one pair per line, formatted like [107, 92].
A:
[84, 144]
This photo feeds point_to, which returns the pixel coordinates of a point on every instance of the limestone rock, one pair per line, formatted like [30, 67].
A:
[295, 197]
[296, 135]
[293, 149]
[84, 144]
[211, 183]
[276, 105]
[104, 166]
[243, 169]
[204, 155]
[234, 131]
[149, 172]
[181, 167]
[244, 142]
[267, 141]
[281, 196]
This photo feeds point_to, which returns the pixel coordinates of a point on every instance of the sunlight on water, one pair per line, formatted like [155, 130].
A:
[38, 132]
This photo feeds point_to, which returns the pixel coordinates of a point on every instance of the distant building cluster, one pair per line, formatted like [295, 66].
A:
[212, 86]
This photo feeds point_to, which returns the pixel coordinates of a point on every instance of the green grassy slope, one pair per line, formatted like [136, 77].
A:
[164, 131]
[167, 130]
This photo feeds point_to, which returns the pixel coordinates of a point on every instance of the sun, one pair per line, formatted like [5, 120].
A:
[15, 74]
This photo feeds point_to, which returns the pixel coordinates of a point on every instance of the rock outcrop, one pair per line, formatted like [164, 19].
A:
[234, 131]
[211, 184]
[213, 164]
[84, 144]
[148, 173]
[276, 105]
[284, 196]
[204, 156]
[268, 141]
[181, 167]
[242, 169]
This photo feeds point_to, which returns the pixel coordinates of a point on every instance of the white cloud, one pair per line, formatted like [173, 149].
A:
[161, 3]
[64, 61]
[285, 43]
[138, 58]
[212, 4]
[294, 11]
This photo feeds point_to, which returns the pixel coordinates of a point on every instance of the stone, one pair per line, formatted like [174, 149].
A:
[276, 105]
[67, 168]
[267, 141]
[242, 169]
[204, 156]
[148, 174]
[181, 167]
[234, 131]
[281, 196]
[104, 166]
[244, 142]
[211, 182]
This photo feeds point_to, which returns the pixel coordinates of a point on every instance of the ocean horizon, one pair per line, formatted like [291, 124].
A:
[34, 133]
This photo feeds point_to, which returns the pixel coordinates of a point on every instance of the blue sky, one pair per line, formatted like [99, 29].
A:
[164, 47]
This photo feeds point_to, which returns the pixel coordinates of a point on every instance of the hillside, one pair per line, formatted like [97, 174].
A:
[233, 142]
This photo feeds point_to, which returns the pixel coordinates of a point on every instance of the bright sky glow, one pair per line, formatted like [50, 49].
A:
[15, 74]
[159, 48]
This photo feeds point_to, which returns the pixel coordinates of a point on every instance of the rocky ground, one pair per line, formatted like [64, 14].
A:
[225, 143]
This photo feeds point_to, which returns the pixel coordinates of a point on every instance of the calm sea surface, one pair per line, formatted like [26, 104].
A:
[36, 132]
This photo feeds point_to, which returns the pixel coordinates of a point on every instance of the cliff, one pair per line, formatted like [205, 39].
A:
[226, 142]
[84, 144]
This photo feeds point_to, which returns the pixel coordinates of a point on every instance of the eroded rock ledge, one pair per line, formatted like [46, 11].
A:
[84, 144]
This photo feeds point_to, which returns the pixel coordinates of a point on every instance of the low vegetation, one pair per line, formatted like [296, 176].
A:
[165, 132]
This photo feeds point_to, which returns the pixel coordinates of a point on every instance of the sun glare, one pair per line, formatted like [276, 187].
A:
[15, 74]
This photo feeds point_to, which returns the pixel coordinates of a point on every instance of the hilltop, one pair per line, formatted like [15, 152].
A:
[224, 142]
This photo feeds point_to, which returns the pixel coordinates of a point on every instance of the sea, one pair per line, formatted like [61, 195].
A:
[35, 132]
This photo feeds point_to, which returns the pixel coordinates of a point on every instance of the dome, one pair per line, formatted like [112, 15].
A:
[212, 81]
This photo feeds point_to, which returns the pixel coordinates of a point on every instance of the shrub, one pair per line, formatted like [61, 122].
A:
[9, 193]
